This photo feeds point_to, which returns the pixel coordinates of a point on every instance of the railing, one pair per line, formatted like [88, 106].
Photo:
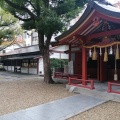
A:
[110, 87]
[78, 83]
[60, 75]
[65, 75]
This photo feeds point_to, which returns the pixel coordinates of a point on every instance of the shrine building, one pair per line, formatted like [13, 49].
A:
[94, 44]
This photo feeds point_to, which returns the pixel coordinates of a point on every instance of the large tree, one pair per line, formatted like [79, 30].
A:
[8, 26]
[47, 17]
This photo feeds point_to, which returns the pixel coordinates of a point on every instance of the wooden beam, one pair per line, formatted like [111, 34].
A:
[74, 38]
[103, 34]
[80, 37]
[107, 17]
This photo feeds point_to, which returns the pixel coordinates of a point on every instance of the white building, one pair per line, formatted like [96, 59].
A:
[28, 59]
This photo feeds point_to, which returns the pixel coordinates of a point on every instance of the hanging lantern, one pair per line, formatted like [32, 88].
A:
[90, 53]
[100, 52]
[94, 57]
[105, 55]
[117, 53]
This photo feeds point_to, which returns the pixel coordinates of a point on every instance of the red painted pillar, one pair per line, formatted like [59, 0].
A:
[84, 65]
[109, 87]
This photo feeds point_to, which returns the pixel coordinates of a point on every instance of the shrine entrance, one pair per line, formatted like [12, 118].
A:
[107, 69]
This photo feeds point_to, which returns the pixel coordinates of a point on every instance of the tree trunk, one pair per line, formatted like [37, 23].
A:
[47, 70]
[44, 49]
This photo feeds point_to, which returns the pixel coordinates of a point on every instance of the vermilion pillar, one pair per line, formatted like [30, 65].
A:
[84, 65]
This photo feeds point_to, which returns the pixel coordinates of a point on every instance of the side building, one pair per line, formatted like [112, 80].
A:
[29, 60]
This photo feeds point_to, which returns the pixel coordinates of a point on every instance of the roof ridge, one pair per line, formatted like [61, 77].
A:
[105, 2]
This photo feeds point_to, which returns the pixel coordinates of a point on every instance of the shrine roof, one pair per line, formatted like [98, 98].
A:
[109, 8]
[92, 10]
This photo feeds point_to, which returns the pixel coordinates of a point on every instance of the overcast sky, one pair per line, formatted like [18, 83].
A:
[113, 1]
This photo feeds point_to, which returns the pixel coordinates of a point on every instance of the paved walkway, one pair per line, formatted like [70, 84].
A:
[63, 108]
[56, 110]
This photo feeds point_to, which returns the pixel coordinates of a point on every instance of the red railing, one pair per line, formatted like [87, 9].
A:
[78, 83]
[65, 75]
[60, 75]
[110, 87]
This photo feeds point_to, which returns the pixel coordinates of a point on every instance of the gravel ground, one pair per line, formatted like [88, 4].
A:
[20, 94]
[106, 111]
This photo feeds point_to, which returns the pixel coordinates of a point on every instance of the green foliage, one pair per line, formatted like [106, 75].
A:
[8, 26]
[29, 25]
[57, 63]
[49, 23]
[81, 3]
[46, 16]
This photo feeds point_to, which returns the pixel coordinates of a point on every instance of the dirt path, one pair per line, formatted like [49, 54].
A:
[20, 94]
[106, 111]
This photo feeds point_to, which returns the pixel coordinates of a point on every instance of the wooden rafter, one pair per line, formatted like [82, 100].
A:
[103, 34]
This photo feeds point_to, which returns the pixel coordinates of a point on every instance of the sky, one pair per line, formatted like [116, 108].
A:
[113, 1]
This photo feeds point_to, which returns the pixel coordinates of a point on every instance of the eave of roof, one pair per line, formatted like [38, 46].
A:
[23, 57]
[80, 21]
[22, 50]
[92, 6]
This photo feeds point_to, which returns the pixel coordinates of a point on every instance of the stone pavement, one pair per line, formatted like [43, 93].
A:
[56, 110]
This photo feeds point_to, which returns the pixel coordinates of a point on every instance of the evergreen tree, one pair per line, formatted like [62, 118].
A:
[8, 26]
[47, 17]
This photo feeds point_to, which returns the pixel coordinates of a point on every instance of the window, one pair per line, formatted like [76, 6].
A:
[24, 63]
[33, 63]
